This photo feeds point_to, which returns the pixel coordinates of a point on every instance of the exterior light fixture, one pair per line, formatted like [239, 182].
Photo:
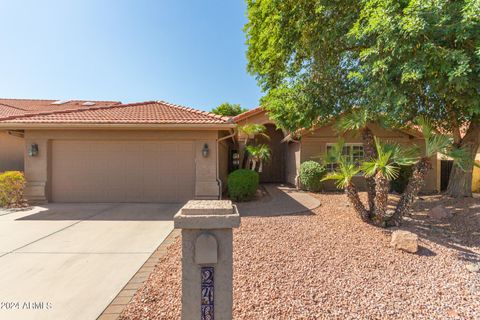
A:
[33, 150]
[205, 150]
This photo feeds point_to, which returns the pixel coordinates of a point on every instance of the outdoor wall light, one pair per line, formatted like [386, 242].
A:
[205, 150]
[33, 150]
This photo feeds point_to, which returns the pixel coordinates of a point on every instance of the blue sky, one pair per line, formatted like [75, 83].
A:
[186, 52]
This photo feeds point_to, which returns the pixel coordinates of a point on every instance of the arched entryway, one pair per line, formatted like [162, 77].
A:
[274, 169]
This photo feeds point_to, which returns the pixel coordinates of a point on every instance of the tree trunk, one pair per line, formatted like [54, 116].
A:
[415, 183]
[352, 195]
[382, 187]
[460, 182]
[370, 153]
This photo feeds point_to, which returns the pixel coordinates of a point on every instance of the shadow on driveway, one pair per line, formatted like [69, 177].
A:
[103, 211]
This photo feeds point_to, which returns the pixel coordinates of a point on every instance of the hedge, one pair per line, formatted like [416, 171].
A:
[242, 184]
[12, 184]
[311, 174]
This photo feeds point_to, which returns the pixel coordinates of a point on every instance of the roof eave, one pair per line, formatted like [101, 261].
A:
[131, 126]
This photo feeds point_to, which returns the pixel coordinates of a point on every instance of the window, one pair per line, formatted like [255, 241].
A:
[353, 152]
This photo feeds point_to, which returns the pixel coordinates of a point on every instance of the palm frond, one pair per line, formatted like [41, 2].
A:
[437, 143]
[369, 168]
[461, 157]
[253, 129]
[426, 126]
[352, 121]
[343, 175]
[389, 157]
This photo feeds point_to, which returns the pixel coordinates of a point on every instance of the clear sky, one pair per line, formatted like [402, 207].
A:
[187, 52]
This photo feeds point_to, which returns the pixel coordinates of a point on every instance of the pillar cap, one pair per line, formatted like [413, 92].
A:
[207, 214]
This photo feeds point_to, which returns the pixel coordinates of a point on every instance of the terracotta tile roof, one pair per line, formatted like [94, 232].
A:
[16, 107]
[149, 112]
[248, 113]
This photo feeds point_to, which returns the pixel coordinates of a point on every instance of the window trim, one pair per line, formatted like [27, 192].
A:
[350, 144]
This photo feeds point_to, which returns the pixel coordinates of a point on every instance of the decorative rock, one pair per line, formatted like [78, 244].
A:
[405, 240]
[473, 267]
[439, 213]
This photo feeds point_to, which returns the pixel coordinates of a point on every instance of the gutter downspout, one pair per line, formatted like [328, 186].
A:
[219, 181]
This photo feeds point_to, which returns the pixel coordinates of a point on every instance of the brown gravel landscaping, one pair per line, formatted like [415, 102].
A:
[327, 264]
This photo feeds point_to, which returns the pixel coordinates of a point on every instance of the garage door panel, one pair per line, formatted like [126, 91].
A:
[119, 171]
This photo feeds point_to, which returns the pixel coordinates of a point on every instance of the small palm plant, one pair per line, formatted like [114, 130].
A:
[384, 169]
[357, 120]
[258, 154]
[343, 179]
[251, 130]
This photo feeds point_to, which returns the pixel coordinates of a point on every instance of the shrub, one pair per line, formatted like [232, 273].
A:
[311, 174]
[242, 184]
[12, 184]
[400, 183]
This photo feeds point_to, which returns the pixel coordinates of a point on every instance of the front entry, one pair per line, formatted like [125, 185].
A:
[274, 169]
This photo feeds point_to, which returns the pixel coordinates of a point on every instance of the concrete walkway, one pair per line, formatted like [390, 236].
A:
[69, 261]
[282, 200]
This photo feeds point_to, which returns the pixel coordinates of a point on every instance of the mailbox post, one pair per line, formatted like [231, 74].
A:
[207, 258]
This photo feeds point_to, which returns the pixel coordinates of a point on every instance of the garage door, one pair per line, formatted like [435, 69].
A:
[119, 171]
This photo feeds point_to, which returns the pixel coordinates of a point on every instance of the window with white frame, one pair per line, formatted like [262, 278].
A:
[352, 151]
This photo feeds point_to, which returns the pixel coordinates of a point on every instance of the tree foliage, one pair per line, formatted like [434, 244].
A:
[229, 109]
[318, 59]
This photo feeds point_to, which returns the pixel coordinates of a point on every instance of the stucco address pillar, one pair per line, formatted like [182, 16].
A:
[207, 258]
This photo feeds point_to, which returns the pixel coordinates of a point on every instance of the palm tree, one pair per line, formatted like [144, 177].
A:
[434, 143]
[260, 154]
[357, 120]
[250, 131]
[385, 168]
[343, 176]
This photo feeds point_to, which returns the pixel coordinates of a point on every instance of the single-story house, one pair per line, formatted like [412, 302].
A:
[154, 151]
[288, 154]
[89, 151]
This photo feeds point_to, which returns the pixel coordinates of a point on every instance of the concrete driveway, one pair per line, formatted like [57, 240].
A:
[69, 261]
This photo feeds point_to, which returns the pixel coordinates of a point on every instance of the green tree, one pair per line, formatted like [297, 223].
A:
[423, 58]
[229, 109]
[317, 59]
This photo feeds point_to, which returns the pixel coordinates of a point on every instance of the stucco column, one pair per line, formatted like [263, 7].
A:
[36, 170]
[207, 258]
[206, 183]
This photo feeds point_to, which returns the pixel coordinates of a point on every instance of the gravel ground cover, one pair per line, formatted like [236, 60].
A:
[327, 264]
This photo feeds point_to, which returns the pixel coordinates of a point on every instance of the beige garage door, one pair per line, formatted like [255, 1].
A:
[120, 171]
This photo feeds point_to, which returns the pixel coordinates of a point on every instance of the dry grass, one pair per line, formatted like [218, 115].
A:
[329, 265]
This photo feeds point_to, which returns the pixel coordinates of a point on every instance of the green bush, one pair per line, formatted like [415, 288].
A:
[400, 183]
[12, 184]
[311, 174]
[242, 184]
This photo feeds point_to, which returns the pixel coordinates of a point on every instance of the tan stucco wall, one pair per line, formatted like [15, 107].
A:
[314, 144]
[293, 162]
[260, 118]
[38, 169]
[11, 152]
[476, 174]
[223, 163]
